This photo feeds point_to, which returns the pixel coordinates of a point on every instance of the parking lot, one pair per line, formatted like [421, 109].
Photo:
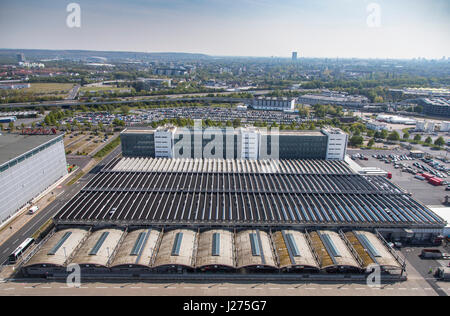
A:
[421, 190]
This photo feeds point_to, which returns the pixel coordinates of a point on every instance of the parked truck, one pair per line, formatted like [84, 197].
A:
[434, 254]
[443, 274]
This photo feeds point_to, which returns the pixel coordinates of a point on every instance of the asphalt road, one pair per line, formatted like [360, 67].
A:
[423, 266]
[50, 211]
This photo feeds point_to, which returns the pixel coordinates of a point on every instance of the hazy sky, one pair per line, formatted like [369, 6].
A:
[315, 28]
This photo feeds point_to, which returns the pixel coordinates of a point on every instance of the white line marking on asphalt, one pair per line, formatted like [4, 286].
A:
[5, 251]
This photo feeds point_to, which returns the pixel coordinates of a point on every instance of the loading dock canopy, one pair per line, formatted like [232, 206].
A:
[376, 250]
[297, 254]
[217, 192]
[215, 248]
[177, 249]
[99, 247]
[59, 248]
[332, 250]
[254, 249]
[138, 248]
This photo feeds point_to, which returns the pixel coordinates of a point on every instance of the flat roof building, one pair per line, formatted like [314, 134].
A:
[272, 104]
[29, 164]
[243, 143]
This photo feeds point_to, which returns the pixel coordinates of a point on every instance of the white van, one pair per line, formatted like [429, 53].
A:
[33, 210]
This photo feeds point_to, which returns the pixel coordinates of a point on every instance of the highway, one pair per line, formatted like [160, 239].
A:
[50, 211]
[159, 98]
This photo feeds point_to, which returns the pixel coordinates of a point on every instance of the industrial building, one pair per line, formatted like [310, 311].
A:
[294, 193]
[29, 164]
[150, 252]
[244, 143]
[376, 126]
[334, 98]
[147, 217]
[272, 104]
[436, 106]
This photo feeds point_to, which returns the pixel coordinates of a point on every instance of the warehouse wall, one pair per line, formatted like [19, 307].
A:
[24, 181]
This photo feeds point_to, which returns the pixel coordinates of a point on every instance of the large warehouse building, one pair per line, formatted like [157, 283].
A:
[243, 143]
[144, 217]
[29, 164]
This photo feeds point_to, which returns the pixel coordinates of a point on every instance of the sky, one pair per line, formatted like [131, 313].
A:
[260, 28]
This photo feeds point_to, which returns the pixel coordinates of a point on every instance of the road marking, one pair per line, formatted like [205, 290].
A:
[241, 288]
[6, 250]
[310, 289]
[153, 287]
[274, 288]
[15, 241]
[135, 287]
[101, 287]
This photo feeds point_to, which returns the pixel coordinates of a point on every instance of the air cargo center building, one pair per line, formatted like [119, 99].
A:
[29, 164]
[155, 211]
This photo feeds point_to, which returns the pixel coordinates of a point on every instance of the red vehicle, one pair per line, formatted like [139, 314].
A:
[435, 181]
[427, 176]
[389, 175]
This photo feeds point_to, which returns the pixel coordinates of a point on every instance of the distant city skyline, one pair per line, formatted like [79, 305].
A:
[400, 29]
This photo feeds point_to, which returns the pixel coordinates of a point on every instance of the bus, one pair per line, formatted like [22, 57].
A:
[20, 250]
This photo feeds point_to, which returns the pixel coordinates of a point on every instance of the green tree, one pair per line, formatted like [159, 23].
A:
[440, 142]
[429, 140]
[371, 143]
[125, 109]
[406, 136]
[11, 126]
[384, 134]
[356, 141]
[417, 138]
[394, 136]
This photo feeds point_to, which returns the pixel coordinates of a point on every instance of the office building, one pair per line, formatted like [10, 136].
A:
[243, 143]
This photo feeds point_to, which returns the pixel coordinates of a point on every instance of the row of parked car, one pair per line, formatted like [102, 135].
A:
[431, 171]
[436, 165]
